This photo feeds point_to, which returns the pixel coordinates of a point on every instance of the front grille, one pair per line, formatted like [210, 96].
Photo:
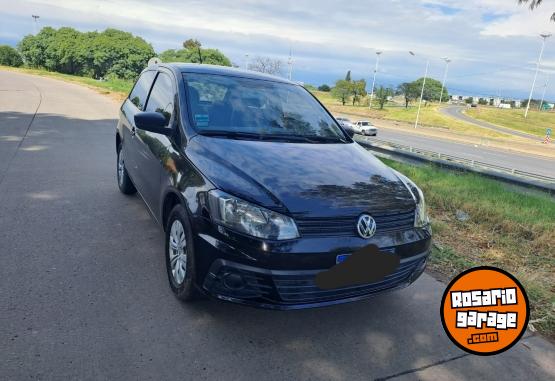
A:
[303, 289]
[346, 226]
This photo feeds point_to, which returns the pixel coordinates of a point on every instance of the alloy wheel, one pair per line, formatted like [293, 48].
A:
[177, 252]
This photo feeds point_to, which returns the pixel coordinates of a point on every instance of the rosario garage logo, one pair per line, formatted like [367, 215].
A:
[485, 310]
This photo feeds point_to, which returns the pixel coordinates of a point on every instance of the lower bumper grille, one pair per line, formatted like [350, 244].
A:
[287, 288]
[303, 289]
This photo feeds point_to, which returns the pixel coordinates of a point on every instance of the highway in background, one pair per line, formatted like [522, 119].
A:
[534, 164]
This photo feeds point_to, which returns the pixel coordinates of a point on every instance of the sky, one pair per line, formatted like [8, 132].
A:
[493, 45]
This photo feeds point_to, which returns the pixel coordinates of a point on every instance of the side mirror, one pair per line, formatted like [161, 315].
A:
[153, 122]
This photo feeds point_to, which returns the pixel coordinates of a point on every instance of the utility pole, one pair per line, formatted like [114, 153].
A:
[36, 18]
[447, 60]
[247, 61]
[543, 94]
[374, 79]
[544, 36]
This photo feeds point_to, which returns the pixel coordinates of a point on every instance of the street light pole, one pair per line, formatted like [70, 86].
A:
[447, 60]
[36, 18]
[374, 79]
[543, 94]
[544, 37]
[421, 91]
[290, 63]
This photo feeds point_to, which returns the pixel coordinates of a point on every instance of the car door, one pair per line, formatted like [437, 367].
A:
[152, 148]
[133, 104]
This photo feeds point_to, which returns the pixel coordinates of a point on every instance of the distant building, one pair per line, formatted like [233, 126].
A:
[492, 101]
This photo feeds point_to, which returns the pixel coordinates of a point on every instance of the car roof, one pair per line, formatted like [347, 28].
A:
[180, 67]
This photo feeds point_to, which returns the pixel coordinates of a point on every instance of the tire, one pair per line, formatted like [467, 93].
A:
[365, 133]
[180, 259]
[124, 181]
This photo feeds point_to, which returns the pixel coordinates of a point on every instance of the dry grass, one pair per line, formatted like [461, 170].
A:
[430, 116]
[536, 123]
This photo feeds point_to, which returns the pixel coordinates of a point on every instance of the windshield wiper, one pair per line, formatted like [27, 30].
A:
[272, 137]
[231, 134]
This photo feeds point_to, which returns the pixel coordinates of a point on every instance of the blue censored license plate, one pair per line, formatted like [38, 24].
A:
[342, 257]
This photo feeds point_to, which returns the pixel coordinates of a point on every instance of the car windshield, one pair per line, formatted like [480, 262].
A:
[365, 123]
[246, 108]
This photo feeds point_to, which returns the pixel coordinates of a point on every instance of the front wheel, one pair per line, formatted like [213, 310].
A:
[124, 181]
[180, 254]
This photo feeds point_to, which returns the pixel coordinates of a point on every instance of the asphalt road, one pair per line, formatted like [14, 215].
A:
[84, 293]
[457, 113]
[529, 163]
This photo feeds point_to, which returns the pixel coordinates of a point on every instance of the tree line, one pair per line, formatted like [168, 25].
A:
[110, 53]
[352, 91]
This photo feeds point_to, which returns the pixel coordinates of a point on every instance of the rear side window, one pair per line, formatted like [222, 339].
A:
[140, 91]
[162, 96]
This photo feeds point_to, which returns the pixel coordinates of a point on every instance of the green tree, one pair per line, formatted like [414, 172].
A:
[194, 54]
[191, 44]
[469, 100]
[432, 89]
[33, 48]
[97, 54]
[358, 89]
[341, 91]
[382, 95]
[324, 88]
[409, 91]
[9, 56]
[120, 54]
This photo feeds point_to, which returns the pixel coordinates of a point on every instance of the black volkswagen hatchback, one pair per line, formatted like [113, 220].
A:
[258, 188]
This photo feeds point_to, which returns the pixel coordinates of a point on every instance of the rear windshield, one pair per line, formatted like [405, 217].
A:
[259, 108]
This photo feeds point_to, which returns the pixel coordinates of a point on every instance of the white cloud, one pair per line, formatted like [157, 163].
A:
[491, 42]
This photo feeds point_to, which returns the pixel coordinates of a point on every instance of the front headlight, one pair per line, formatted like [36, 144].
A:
[247, 218]
[421, 218]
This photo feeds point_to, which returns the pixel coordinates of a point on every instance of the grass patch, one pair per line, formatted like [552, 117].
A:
[118, 87]
[536, 123]
[430, 116]
[508, 228]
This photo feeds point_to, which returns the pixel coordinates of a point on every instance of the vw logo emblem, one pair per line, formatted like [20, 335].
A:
[366, 226]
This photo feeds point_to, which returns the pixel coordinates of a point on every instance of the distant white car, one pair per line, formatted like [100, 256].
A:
[364, 127]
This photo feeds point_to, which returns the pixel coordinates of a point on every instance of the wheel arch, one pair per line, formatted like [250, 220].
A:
[170, 200]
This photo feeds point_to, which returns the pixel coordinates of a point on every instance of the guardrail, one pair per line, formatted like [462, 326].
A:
[504, 173]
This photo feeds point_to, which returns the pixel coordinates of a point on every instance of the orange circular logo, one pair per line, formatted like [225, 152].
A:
[485, 310]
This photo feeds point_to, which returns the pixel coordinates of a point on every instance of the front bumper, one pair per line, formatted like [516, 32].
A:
[287, 289]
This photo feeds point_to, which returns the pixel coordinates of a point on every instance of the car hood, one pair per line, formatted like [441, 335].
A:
[313, 180]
